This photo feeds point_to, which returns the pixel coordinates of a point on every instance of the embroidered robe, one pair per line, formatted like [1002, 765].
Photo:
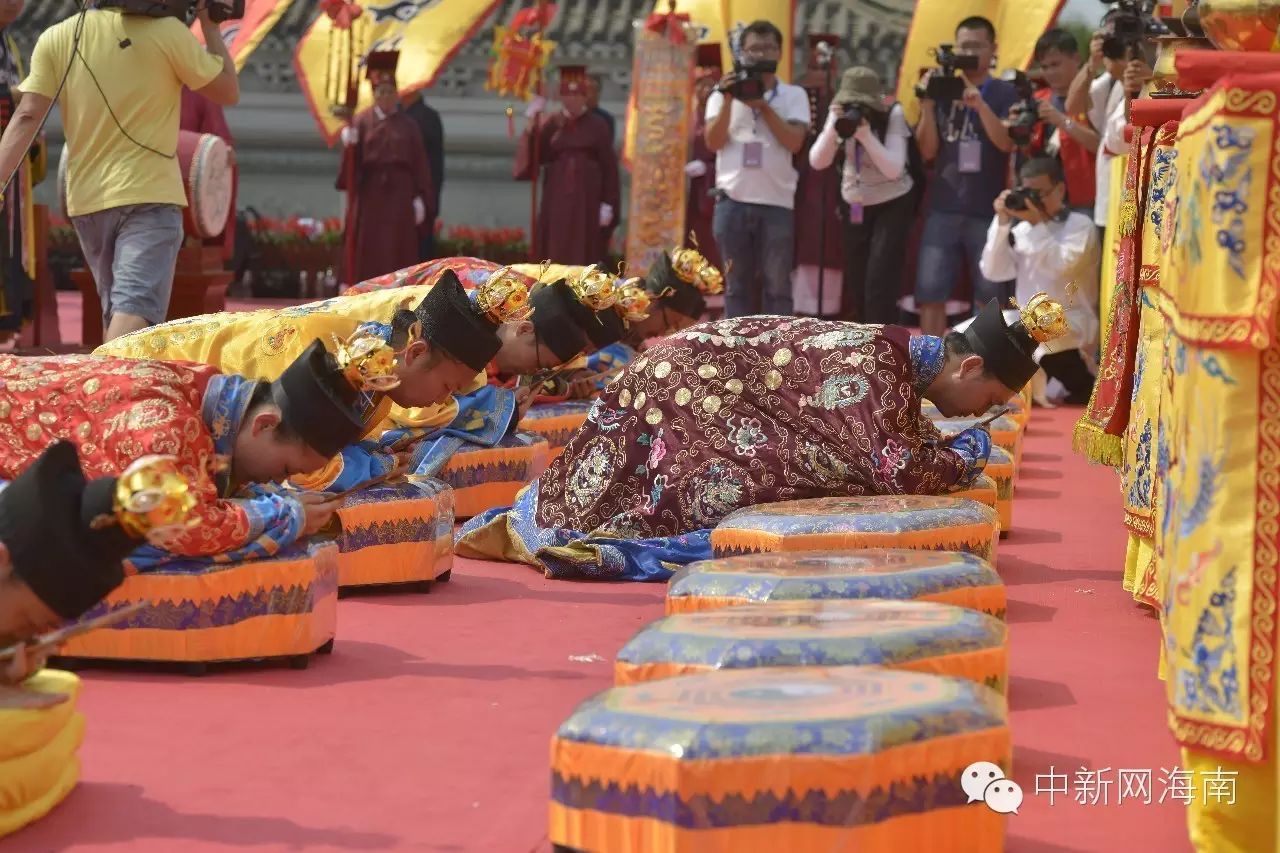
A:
[116, 410]
[721, 416]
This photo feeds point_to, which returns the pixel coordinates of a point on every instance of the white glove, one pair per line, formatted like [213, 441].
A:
[350, 136]
[536, 106]
[606, 215]
[419, 211]
[695, 168]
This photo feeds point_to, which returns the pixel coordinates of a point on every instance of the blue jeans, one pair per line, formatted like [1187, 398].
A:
[949, 240]
[132, 251]
[757, 242]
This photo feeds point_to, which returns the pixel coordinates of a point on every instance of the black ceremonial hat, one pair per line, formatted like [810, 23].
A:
[1006, 353]
[452, 322]
[317, 402]
[45, 517]
[553, 319]
[602, 327]
[675, 293]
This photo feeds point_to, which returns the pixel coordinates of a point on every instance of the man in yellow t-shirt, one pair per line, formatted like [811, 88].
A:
[120, 105]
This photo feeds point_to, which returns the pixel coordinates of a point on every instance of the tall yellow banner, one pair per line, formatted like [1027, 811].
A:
[1018, 24]
[426, 32]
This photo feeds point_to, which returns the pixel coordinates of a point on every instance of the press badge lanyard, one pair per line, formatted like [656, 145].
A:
[753, 151]
[755, 114]
[967, 131]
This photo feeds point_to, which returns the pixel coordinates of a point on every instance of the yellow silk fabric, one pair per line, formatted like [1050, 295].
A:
[1216, 526]
[261, 344]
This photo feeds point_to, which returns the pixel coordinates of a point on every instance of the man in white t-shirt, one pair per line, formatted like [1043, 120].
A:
[755, 141]
[1048, 248]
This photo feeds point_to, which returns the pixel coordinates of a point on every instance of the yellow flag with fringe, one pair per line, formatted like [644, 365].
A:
[242, 36]
[426, 32]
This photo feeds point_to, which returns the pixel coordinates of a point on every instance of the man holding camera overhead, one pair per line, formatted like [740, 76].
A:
[962, 130]
[755, 124]
[121, 104]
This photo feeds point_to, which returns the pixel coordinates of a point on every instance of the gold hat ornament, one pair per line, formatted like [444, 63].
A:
[710, 280]
[594, 288]
[367, 362]
[504, 297]
[692, 267]
[152, 499]
[687, 264]
[1044, 317]
[633, 301]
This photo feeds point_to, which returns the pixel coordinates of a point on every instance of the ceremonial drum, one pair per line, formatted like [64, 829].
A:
[921, 636]
[38, 751]
[838, 758]
[879, 521]
[198, 613]
[398, 533]
[556, 422]
[484, 478]
[885, 573]
[207, 180]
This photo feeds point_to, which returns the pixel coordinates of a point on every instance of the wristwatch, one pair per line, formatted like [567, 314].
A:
[1068, 124]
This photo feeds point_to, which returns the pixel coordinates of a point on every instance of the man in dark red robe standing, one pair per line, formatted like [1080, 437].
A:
[201, 115]
[387, 180]
[700, 204]
[819, 255]
[580, 194]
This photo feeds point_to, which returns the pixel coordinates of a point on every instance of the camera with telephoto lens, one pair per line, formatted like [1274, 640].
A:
[219, 10]
[1024, 115]
[746, 82]
[945, 85]
[1132, 23]
[1022, 198]
[850, 117]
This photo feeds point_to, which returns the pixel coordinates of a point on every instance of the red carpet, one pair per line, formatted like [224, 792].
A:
[428, 728]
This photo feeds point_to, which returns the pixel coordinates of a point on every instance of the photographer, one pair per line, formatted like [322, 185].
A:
[1063, 134]
[755, 124]
[1119, 61]
[1053, 250]
[120, 111]
[969, 143]
[876, 187]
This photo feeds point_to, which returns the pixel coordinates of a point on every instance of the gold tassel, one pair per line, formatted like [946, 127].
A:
[1128, 215]
[1096, 445]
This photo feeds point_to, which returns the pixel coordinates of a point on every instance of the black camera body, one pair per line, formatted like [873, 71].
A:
[850, 117]
[219, 10]
[746, 82]
[1024, 115]
[946, 85]
[1132, 23]
[1022, 198]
